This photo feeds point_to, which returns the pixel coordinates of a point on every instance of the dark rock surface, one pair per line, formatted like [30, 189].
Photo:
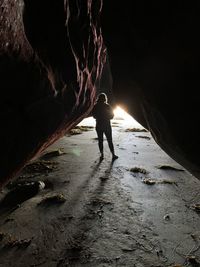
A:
[154, 58]
[51, 57]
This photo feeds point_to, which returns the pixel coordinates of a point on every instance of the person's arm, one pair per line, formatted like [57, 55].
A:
[110, 112]
[94, 112]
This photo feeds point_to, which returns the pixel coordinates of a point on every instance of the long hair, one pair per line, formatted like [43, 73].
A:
[102, 98]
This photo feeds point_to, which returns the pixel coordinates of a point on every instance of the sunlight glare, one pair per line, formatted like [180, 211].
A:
[120, 114]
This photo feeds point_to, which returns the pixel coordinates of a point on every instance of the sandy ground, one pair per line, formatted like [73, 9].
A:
[104, 213]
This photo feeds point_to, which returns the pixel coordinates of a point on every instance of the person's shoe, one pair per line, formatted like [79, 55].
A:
[114, 157]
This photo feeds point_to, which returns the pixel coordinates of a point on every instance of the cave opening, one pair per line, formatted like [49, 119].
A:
[121, 114]
[121, 117]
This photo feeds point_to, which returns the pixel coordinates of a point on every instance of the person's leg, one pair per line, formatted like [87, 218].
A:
[100, 141]
[108, 134]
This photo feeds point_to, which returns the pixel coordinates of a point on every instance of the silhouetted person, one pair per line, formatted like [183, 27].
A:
[103, 113]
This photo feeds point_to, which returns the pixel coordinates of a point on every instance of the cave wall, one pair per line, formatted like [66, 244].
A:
[154, 56]
[51, 57]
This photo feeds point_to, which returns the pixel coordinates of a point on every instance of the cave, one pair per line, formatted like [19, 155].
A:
[56, 56]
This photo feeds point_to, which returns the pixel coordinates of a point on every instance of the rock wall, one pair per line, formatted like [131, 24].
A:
[51, 57]
[154, 54]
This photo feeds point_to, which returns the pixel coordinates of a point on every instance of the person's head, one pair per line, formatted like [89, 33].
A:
[102, 98]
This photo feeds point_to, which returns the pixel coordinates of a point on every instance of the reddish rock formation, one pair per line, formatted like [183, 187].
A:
[51, 57]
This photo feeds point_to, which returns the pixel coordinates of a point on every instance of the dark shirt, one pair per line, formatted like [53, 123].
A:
[103, 113]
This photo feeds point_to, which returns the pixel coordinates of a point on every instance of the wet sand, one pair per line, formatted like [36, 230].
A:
[129, 212]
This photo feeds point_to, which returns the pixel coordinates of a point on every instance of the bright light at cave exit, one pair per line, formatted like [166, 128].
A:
[128, 120]
[120, 116]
